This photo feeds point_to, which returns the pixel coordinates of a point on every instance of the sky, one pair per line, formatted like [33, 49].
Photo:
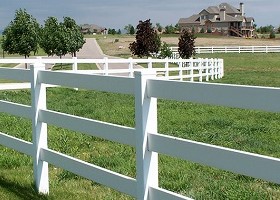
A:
[119, 13]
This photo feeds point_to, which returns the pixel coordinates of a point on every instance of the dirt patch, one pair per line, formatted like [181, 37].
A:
[227, 41]
[120, 48]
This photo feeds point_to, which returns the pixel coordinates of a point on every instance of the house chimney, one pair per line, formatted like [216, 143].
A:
[242, 9]
[223, 13]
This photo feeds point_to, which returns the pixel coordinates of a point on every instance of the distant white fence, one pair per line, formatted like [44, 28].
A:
[230, 49]
[144, 136]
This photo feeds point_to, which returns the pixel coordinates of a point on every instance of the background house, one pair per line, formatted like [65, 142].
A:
[92, 28]
[224, 19]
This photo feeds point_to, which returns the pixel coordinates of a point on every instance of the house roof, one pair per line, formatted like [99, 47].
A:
[92, 27]
[232, 14]
[249, 19]
[190, 20]
[229, 8]
[212, 10]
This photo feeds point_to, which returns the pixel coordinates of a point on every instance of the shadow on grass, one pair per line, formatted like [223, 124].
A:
[19, 191]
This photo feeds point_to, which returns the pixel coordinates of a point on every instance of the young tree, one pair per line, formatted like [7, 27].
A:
[165, 51]
[74, 36]
[21, 36]
[186, 45]
[50, 36]
[61, 38]
[119, 32]
[147, 40]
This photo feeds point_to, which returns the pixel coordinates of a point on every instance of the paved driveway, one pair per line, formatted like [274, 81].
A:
[91, 50]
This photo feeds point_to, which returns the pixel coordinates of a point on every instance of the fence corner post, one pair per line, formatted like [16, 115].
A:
[39, 129]
[146, 122]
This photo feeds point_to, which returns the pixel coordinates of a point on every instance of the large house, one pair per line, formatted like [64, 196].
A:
[224, 19]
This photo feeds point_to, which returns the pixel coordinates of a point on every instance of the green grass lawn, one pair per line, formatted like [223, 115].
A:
[247, 130]
[249, 69]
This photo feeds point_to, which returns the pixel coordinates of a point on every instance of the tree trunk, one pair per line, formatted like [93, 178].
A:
[25, 63]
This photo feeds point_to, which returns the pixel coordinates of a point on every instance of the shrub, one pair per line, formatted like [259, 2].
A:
[272, 35]
[165, 51]
[186, 45]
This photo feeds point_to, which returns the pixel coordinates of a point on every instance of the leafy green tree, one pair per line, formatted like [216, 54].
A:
[75, 39]
[165, 51]
[21, 36]
[119, 32]
[147, 41]
[186, 45]
[61, 38]
[50, 36]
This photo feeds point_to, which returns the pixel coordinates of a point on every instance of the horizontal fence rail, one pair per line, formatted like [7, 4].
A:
[230, 49]
[146, 88]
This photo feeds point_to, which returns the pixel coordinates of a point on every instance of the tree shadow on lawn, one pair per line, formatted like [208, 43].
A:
[21, 192]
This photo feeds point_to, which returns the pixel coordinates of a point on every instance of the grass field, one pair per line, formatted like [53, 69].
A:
[247, 130]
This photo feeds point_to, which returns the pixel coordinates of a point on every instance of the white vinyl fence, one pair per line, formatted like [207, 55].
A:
[144, 136]
[168, 69]
[230, 49]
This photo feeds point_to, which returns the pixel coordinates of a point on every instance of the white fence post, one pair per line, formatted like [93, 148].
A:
[106, 66]
[191, 68]
[130, 67]
[207, 69]
[200, 69]
[216, 65]
[39, 130]
[212, 68]
[150, 63]
[146, 122]
[166, 66]
[74, 65]
[181, 69]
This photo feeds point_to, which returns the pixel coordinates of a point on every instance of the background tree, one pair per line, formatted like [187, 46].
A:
[112, 31]
[119, 32]
[75, 39]
[21, 36]
[186, 45]
[61, 38]
[147, 40]
[129, 29]
[158, 27]
[169, 29]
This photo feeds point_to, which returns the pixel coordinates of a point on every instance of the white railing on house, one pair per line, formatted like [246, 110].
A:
[230, 49]
[144, 136]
